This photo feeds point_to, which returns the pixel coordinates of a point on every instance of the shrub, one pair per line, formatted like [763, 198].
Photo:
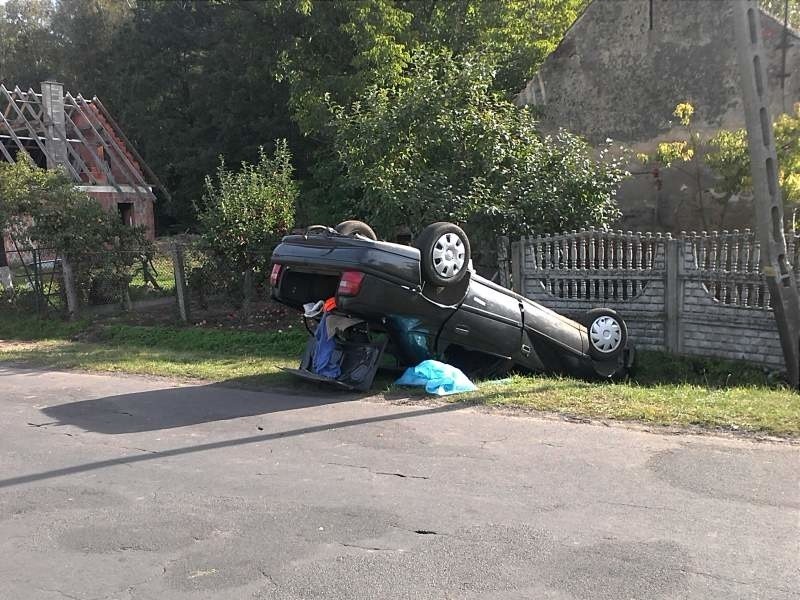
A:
[42, 209]
[441, 145]
[244, 212]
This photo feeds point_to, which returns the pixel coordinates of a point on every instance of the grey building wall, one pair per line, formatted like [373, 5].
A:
[621, 69]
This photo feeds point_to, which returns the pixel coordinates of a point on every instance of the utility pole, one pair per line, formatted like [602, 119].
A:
[766, 189]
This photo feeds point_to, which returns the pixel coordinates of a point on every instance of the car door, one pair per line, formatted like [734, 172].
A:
[488, 320]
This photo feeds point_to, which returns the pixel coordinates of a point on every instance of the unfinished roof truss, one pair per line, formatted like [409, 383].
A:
[74, 133]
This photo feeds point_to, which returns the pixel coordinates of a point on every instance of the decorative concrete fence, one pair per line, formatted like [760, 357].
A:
[697, 294]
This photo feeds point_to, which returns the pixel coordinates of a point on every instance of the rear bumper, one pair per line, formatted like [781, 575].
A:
[316, 254]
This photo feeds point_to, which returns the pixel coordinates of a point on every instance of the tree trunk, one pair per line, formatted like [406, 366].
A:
[69, 288]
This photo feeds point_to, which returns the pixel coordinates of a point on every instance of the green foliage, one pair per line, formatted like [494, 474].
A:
[444, 146]
[668, 153]
[192, 80]
[341, 48]
[42, 209]
[729, 157]
[515, 36]
[246, 211]
[28, 48]
[108, 271]
[778, 7]
[685, 154]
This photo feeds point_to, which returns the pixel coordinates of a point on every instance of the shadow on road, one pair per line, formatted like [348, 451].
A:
[181, 406]
[255, 439]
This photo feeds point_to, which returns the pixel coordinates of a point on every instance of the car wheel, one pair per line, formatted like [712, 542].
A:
[608, 334]
[444, 253]
[353, 228]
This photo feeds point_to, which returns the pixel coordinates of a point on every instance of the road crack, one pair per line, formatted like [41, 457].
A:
[644, 506]
[369, 548]
[736, 581]
[388, 473]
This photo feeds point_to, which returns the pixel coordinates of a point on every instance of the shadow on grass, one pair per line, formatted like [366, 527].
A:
[661, 368]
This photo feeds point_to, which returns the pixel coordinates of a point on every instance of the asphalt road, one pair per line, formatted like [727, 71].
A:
[126, 487]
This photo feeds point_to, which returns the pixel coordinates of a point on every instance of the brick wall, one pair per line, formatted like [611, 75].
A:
[143, 209]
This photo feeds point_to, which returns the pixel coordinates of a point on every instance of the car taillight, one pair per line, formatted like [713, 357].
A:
[350, 283]
[275, 275]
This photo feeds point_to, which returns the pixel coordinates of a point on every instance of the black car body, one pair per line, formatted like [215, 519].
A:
[475, 324]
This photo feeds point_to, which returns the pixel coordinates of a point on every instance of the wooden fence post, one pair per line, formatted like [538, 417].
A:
[6, 281]
[180, 282]
[127, 304]
[70, 290]
[247, 293]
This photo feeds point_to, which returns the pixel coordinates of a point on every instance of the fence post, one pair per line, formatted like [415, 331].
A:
[517, 252]
[180, 282]
[502, 260]
[127, 304]
[673, 294]
[6, 280]
[69, 288]
[247, 293]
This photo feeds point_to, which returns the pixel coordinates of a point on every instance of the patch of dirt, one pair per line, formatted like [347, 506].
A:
[264, 316]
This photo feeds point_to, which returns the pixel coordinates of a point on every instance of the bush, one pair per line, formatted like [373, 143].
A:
[246, 211]
[441, 145]
[42, 209]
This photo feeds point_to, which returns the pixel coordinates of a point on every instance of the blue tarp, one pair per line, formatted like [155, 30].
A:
[438, 378]
[323, 363]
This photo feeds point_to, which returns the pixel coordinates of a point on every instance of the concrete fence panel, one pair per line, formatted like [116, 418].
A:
[695, 294]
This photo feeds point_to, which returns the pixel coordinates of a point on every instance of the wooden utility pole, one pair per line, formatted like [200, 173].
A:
[766, 189]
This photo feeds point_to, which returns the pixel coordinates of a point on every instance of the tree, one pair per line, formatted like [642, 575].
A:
[514, 35]
[778, 8]
[443, 146]
[29, 52]
[245, 211]
[191, 80]
[729, 157]
[685, 155]
[43, 210]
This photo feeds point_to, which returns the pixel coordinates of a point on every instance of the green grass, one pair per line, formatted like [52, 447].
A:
[184, 352]
[667, 390]
[751, 408]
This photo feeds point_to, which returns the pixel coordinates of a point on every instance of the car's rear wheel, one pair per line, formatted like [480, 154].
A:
[444, 253]
[353, 228]
[608, 334]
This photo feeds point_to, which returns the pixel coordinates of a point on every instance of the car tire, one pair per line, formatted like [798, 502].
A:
[353, 228]
[607, 332]
[444, 254]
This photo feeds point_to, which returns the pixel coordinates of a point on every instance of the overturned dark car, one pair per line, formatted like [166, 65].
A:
[426, 301]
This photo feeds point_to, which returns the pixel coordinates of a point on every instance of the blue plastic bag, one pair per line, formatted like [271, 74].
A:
[438, 378]
[323, 363]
